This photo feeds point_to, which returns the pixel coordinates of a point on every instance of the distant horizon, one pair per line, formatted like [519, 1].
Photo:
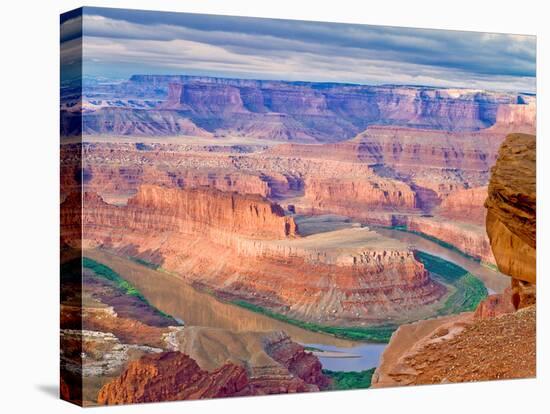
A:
[122, 42]
[126, 79]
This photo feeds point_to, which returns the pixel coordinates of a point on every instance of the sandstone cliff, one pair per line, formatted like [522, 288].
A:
[465, 205]
[243, 247]
[305, 111]
[193, 211]
[114, 339]
[511, 207]
[468, 238]
[274, 362]
[354, 196]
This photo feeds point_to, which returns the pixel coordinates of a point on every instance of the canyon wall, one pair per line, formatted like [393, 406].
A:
[466, 205]
[296, 111]
[468, 238]
[244, 247]
[172, 376]
[118, 348]
[352, 196]
[192, 211]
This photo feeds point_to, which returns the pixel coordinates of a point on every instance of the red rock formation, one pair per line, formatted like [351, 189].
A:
[112, 169]
[497, 342]
[352, 196]
[465, 205]
[517, 117]
[319, 278]
[495, 305]
[468, 238]
[511, 207]
[280, 110]
[274, 363]
[293, 356]
[427, 148]
[192, 211]
[138, 122]
[407, 147]
[171, 376]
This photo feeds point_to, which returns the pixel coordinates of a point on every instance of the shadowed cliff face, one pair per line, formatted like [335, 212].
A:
[296, 111]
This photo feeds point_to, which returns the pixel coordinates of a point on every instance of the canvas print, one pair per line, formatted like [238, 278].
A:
[260, 206]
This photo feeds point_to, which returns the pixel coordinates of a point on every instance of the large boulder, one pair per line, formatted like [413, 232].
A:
[511, 208]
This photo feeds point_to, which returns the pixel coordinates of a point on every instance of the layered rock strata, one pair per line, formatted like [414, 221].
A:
[351, 196]
[115, 334]
[244, 247]
[297, 111]
[273, 362]
[465, 205]
[511, 207]
[465, 236]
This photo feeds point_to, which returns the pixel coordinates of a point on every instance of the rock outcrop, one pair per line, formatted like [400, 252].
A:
[511, 208]
[171, 376]
[115, 350]
[273, 361]
[354, 196]
[294, 357]
[495, 305]
[193, 211]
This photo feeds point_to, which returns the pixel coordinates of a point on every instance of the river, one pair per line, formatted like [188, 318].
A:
[494, 281]
[173, 296]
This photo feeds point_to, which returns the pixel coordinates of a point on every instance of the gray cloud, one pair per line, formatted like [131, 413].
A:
[128, 41]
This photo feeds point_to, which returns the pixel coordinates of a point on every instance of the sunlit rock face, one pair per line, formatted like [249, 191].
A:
[245, 247]
[511, 207]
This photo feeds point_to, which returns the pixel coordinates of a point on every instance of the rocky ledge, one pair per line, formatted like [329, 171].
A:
[171, 376]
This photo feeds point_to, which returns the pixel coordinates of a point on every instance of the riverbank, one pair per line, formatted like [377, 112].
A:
[493, 280]
[466, 290]
[379, 334]
[350, 380]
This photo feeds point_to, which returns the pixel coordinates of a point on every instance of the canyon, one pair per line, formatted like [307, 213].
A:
[299, 213]
[415, 153]
[333, 277]
[471, 346]
[163, 105]
[118, 343]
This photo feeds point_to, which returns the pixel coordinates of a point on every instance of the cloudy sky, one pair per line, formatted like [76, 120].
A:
[119, 43]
